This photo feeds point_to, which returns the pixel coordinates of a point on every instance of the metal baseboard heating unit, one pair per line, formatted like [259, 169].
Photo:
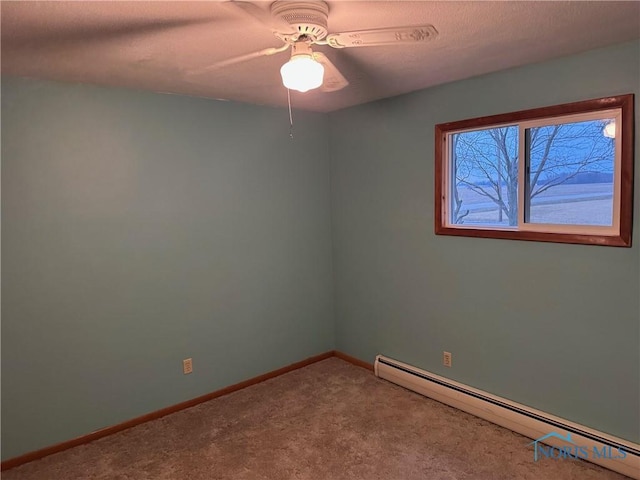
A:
[553, 437]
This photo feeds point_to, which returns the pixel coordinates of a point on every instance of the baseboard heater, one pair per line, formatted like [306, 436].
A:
[569, 439]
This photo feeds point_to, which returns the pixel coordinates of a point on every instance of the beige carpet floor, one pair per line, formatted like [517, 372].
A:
[330, 420]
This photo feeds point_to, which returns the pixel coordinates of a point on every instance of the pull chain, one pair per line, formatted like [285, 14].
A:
[290, 114]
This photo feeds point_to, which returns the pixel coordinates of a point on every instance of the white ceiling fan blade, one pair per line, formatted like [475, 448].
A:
[266, 52]
[274, 23]
[382, 36]
[333, 79]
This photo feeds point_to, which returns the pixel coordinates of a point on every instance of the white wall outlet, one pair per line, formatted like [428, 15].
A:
[446, 359]
[187, 366]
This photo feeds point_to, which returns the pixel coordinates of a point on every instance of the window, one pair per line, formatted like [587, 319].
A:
[554, 174]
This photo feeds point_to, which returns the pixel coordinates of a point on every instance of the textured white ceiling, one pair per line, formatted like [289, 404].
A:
[154, 45]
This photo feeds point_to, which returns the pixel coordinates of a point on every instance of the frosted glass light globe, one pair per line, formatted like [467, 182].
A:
[302, 73]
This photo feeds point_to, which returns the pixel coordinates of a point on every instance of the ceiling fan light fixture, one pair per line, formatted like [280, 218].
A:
[302, 72]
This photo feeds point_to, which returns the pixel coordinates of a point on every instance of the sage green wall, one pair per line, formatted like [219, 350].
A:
[140, 229]
[552, 326]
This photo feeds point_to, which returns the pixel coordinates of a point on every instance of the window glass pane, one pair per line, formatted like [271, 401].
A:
[570, 174]
[484, 177]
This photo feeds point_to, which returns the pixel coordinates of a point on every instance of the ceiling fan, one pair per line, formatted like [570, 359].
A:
[302, 24]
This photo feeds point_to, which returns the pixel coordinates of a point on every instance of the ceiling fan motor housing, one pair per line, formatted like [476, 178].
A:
[308, 18]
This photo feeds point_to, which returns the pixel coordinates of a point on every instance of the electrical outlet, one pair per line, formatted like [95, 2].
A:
[187, 366]
[446, 359]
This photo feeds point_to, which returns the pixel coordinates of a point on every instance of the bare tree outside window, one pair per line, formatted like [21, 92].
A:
[566, 165]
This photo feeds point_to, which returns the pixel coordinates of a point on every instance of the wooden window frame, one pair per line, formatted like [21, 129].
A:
[621, 238]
